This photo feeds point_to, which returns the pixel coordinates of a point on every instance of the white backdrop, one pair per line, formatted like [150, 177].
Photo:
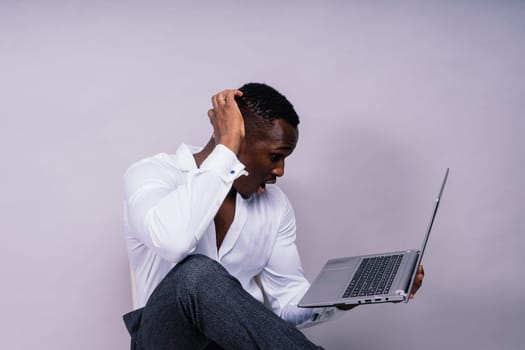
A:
[389, 94]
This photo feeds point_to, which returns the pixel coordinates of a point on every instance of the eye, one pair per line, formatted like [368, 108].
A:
[276, 157]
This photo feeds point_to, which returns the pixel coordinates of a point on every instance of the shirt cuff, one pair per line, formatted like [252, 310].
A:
[320, 315]
[224, 162]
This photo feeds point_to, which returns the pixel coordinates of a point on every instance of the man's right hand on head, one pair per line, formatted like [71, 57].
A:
[227, 120]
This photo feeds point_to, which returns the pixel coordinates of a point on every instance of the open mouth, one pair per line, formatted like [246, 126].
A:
[262, 187]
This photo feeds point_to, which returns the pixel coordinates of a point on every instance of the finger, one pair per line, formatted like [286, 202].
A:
[418, 282]
[225, 96]
[218, 100]
[230, 94]
[413, 292]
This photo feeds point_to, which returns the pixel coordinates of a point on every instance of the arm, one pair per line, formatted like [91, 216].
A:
[168, 207]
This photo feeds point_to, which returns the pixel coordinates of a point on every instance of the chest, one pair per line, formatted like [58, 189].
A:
[223, 220]
[241, 241]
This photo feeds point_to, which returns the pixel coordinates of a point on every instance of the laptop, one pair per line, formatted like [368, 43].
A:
[369, 279]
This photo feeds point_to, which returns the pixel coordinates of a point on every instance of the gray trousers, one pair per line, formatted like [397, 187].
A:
[199, 305]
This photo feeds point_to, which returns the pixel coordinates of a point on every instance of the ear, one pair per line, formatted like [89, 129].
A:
[245, 147]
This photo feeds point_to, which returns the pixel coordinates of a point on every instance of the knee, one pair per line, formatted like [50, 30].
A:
[196, 271]
[197, 264]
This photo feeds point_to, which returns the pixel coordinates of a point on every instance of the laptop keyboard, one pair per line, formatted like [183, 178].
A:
[374, 276]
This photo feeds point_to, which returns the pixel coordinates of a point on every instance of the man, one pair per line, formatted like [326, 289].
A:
[209, 241]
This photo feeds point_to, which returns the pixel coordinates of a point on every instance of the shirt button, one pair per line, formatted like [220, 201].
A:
[232, 172]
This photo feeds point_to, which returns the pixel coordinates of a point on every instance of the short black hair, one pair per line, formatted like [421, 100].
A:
[261, 104]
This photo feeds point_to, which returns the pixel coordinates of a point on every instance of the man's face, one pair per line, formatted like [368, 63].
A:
[264, 157]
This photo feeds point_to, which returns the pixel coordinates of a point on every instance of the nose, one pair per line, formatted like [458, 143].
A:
[278, 170]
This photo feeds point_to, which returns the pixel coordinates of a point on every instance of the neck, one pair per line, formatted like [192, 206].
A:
[202, 154]
[232, 194]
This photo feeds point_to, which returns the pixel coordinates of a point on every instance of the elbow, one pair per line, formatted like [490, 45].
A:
[170, 242]
[174, 253]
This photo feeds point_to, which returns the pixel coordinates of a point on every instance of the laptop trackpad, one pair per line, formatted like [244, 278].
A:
[329, 285]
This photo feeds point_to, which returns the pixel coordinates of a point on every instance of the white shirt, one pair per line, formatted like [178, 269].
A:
[168, 214]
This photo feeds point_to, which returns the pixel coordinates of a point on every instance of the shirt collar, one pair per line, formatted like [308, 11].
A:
[184, 157]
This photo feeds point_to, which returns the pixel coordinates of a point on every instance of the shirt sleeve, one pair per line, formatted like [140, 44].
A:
[169, 209]
[283, 278]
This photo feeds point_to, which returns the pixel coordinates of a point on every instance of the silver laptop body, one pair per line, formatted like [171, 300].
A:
[369, 279]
